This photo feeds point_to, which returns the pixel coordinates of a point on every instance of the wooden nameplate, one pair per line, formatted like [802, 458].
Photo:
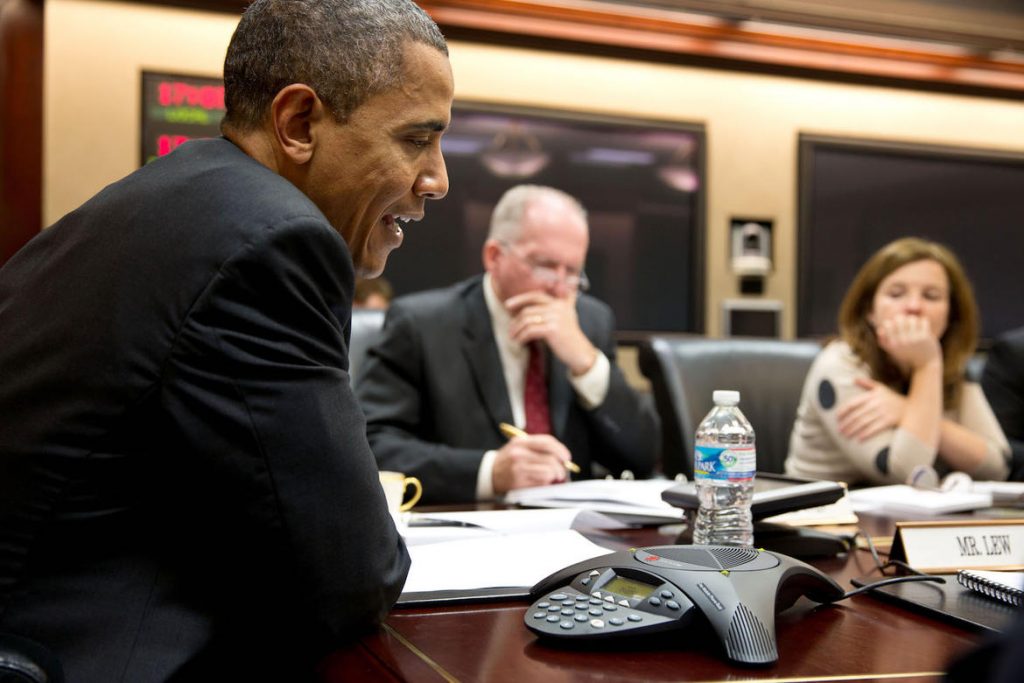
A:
[942, 547]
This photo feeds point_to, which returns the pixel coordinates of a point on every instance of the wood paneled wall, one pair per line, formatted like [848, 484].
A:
[21, 122]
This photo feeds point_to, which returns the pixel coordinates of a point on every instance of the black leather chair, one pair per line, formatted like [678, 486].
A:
[975, 367]
[685, 370]
[366, 327]
[26, 661]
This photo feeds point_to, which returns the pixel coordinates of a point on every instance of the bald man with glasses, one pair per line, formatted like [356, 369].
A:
[521, 345]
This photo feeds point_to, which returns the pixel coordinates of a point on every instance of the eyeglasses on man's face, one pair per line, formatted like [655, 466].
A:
[550, 274]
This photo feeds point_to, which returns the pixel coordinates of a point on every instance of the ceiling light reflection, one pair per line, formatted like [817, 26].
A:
[514, 153]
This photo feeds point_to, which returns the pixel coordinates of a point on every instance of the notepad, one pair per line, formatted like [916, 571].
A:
[1006, 587]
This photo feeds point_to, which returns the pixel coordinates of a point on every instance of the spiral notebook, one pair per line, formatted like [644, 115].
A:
[1007, 587]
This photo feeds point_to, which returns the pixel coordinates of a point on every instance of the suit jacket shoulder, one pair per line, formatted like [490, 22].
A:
[188, 427]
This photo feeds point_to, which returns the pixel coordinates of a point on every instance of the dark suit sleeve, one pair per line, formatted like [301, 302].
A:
[1003, 383]
[273, 448]
[407, 428]
[625, 427]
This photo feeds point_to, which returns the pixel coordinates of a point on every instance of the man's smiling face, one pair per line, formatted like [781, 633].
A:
[376, 170]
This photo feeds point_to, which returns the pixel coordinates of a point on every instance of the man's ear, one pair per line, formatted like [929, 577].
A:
[491, 251]
[294, 113]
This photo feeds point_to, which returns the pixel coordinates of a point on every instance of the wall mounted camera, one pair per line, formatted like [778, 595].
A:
[751, 252]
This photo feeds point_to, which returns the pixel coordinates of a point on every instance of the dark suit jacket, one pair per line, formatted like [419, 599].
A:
[434, 394]
[186, 490]
[998, 658]
[1003, 383]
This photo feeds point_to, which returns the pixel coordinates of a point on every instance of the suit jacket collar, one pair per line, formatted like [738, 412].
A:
[481, 352]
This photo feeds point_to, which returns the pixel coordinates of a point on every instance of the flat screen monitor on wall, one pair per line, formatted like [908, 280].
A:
[857, 195]
[641, 182]
[177, 108]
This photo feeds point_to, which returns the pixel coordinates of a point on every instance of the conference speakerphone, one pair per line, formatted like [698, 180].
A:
[736, 590]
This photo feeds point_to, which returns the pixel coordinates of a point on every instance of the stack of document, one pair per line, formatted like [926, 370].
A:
[1003, 492]
[632, 501]
[464, 555]
[436, 527]
[902, 499]
[498, 561]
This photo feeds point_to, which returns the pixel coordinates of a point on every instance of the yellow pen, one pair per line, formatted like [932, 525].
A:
[511, 432]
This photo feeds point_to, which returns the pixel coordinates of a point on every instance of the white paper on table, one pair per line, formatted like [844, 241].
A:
[901, 498]
[496, 561]
[420, 535]
[639, 498]
[489, 522]
[1005, 492]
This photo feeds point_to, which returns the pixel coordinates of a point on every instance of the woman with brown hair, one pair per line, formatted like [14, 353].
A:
[888, 399]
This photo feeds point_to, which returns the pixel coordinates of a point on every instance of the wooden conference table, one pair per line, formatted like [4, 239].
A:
[859, 639]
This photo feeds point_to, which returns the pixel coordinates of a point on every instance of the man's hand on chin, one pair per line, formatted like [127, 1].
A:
[539, 316]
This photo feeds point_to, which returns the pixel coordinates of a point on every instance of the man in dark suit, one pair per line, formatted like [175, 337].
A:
[186, 489]
[518, 345]
[1003, 383]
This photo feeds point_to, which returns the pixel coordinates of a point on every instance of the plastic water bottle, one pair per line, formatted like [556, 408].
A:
[724, 465]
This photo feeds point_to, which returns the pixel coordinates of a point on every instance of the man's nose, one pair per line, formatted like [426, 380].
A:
[559, 289]
[432, 183]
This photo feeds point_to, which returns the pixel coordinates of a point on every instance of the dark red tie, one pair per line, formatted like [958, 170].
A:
[535, 396]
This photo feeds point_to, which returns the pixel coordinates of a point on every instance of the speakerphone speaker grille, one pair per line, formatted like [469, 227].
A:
[734, 557]
[713, 557]
[748, 639]
[695, 556]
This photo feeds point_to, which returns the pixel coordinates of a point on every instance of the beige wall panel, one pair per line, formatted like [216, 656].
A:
[95, 51]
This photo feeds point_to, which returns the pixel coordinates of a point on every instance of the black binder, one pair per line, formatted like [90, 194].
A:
[949, 601]
[773, 494]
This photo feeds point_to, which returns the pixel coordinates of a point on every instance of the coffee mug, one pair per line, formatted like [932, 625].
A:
[395, 485]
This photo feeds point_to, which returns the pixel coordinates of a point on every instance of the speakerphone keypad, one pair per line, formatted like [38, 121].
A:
[584, 608]
[596, 612]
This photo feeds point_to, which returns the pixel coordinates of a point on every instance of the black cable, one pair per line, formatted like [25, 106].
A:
[915, 575]
[891, 580]
[871, 547]
[902, 565]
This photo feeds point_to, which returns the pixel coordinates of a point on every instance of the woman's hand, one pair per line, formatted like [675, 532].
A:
[876, 409]
[909, 341]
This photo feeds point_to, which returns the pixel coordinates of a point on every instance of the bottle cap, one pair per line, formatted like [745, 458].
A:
[722, 397]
